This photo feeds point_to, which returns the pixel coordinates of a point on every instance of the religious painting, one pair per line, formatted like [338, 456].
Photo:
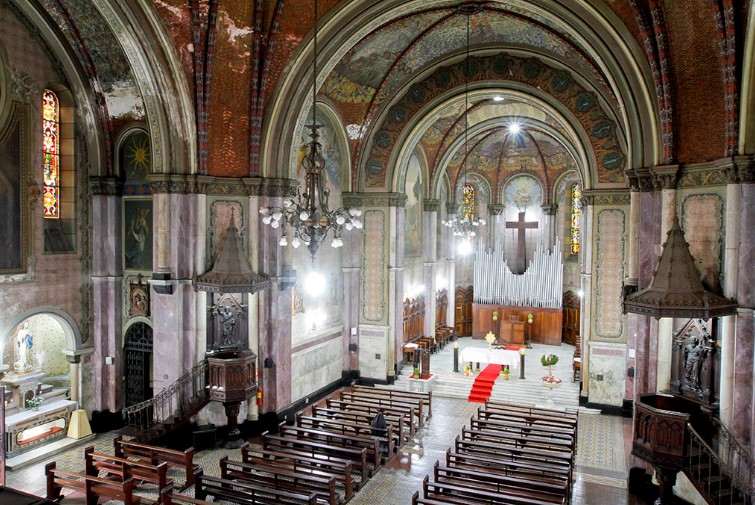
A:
[137, 234]
[138, 298]
[135, 161]
[221, 212]
[413, 222]
[11, 259]
[523, 192]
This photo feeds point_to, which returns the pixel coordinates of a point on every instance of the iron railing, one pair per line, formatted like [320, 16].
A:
[172, 403]
[724, 476]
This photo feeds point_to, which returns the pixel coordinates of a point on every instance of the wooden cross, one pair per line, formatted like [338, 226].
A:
[522, 226]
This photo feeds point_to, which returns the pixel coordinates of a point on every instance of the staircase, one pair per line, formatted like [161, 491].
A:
[720, 468]
[675, 435]
[169, 409]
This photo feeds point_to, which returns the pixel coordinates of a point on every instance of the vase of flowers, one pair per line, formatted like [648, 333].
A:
[34, 403]
[548, 360]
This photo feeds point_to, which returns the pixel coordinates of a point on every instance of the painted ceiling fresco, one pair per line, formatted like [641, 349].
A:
[101, 54]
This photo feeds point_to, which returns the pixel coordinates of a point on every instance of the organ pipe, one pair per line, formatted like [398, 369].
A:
[541, 285]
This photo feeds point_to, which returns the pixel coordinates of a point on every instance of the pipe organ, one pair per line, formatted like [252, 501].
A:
[541, 285]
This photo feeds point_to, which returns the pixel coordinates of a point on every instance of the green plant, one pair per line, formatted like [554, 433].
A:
[34, 403]
[416, 373]
[506, 371]
[548, 359]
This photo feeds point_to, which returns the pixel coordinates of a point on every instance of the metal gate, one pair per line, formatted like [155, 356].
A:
[137, 353]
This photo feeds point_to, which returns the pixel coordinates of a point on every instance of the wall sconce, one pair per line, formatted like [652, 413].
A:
[269, 363]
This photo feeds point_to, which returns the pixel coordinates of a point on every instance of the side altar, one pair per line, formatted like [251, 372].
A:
[518, 308]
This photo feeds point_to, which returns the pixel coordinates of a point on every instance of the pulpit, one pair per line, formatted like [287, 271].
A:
[512, 332]
[231, 378]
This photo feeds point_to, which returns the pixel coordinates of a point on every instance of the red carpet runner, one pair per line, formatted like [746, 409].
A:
[483, 384]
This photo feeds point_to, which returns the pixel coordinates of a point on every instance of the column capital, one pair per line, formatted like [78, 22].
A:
[74, 355]
[495, 209]
[452, 207]
[550, 210]
[639, 179]
[665, 176]
[431, 205]
[109, 186]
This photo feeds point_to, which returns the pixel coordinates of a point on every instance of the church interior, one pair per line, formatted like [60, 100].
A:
[221, 215]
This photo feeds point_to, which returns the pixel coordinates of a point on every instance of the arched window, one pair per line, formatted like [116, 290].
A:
[51, 153]
[576, 215]
[58, 173]
[467, 207]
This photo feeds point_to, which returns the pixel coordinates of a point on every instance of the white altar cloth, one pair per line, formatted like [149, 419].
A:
[495, 356]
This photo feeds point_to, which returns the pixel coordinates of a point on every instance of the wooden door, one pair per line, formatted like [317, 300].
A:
[463, 310]
[137, 355]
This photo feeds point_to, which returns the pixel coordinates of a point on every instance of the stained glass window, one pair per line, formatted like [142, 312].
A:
[467, 202]
[51, 154]
[576, 214]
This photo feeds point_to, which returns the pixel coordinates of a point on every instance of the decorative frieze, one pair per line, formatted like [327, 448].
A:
[221, 186]
[374, 199]
[605, 197]
[432, 205]
[108, 186]
[664, 176]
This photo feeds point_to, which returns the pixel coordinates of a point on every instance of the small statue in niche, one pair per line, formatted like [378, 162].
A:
[693, 354]
[24, 344]
[227, 324]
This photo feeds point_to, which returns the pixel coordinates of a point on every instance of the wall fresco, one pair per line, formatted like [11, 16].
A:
[608, 320]
[702, 222]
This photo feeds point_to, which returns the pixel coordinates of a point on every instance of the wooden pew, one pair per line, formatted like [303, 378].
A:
[532, 441]
[246, 493]
[281, 478]
[155, 455]
[462, 495]
[385, 436]
[339, 470]
[407, 414]
[169, 497]
[364, 418]
[94, 463]
[522, 469]
[91, 487]
[372, 445]
[385, 401]
[523, 431]
[536, 458]
[427, 397]
[318, 450]
[511, 486]
[417, 500]
[564, 416]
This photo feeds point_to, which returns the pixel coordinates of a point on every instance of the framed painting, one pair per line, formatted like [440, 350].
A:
[137, 234]
[138, 300]
[15, 223]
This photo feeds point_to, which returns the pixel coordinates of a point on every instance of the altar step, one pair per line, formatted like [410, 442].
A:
[44, 452]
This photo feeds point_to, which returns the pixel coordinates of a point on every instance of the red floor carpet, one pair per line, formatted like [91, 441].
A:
[483, 384]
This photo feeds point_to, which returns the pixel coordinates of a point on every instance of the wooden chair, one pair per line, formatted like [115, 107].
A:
[577, 359]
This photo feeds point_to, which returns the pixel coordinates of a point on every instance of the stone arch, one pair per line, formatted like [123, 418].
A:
[579, 105]
[71, 330]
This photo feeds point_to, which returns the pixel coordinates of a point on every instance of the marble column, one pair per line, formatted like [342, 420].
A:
[396, 286]
[729, 323]
[73, 356]
[449, 248]
[586, 256]
[496, 225]
[274, 356]
[744, 396]
[107, 297]
[430, 262]
[665, 324]
[175, 348]
[549, 226]
[630, 283]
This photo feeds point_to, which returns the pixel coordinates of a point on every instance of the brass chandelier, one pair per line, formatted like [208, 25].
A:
[307, 218]
[466, 224]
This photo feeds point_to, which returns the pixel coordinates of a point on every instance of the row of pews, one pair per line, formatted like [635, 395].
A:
[322, 458]
[115, 476]
[510, 454]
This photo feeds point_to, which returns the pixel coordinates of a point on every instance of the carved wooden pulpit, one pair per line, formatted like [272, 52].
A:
[231, 381]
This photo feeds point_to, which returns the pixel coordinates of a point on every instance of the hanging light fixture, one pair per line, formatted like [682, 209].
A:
[466, 224]
[306, 218]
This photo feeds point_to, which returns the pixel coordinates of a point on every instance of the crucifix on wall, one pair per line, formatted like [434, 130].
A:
[521, 248]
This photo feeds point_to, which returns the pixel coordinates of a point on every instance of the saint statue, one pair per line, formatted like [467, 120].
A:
[693, 354]
[24, 343]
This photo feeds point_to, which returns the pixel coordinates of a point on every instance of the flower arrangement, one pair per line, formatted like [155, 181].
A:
[416, 374]
[506, 372]
[548, 359]
[34, 403]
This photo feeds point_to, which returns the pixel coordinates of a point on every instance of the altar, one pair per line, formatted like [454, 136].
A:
[494, 356]
[31, 428]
